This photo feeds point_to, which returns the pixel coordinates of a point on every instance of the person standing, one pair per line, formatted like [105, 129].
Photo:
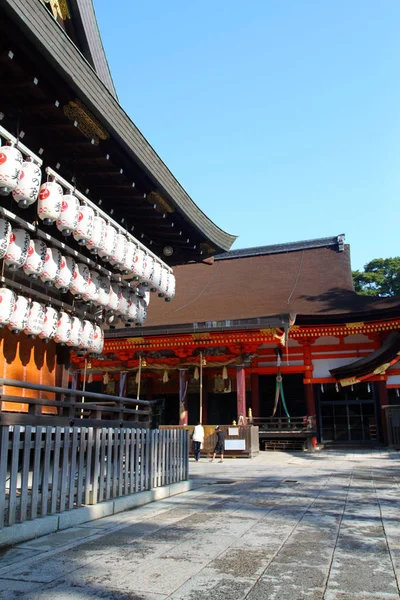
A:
[219, 446]
[198, 438]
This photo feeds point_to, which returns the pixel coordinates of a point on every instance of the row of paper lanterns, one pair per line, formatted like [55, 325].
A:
[39, 261]
[21, 314]
[23, 179]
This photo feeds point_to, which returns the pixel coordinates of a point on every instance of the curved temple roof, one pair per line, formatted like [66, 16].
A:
[95, 89]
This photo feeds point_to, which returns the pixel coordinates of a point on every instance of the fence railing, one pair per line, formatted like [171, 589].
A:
[47, 470]
[72, 407]
[392, 414]
[306, 424]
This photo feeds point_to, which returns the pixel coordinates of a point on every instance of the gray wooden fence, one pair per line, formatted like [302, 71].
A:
[47, 470]
[392, 416]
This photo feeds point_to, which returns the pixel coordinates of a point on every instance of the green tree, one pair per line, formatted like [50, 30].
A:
[381, 277]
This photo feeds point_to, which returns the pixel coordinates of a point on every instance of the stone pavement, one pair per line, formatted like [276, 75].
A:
[280, 527]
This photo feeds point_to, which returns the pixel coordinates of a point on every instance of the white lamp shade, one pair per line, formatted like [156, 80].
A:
[27, 190]
[142, 312]
[97, 239]
[5, 233]
[66, 274]
[63, 329]
[133, 308]
[83, 231]
[171, 289]
[76, 332]
[19, 317]
[87, 335]
[123, 304]
[164, 281]
[52, 265]
[107, 249]
[80, 280]
[98, 341]
[131, 249]
[34, 324]
[148, 267]
[68, 219]
[104, 292]
[10, 167]
[138, 264]
[113, 300]
[145, 292]
[35, 260]
[49, 324]
[49, 202]
[119, 254]
[17, 250]
[7, 303]
[92, 290]
[156, 278]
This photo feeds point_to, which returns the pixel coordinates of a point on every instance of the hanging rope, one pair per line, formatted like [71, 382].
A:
[279, 393]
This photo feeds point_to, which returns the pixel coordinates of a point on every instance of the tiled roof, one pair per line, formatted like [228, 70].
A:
[310, 279]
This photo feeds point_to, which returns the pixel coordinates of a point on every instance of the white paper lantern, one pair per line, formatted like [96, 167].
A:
[52, 265]
[76, 332]
[118, 256]
[7, 303]
[66, 274]
[131, 249]
[68, 219]
[27, 190]
[98, 341]
[92, 290]
[19, 316]
[87, 335]
[142, 312]
[5, 233]
[80, 280]
[17, 250]
[104, 292]
[107, 248]
[156, 277]
[138, 264]
[49, 202]
[10, 168]
[35, 260]
[171, 288]
[144, 293]
[49, 324]
[98, 233]
[148, 267]
[164, 282]
[83, 231]
[113, 300]
[63, 329]
[123, 304]
[133, 308]
[35, 321]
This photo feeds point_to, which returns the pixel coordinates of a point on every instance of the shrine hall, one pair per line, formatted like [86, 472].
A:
[272, 331]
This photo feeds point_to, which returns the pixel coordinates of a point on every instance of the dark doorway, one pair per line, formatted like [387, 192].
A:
[222, 408]
[293, 389]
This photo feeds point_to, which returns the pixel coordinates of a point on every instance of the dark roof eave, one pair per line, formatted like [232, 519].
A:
[37, 23]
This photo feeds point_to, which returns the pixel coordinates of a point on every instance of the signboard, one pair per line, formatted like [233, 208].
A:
[233, 431]
[235, 444]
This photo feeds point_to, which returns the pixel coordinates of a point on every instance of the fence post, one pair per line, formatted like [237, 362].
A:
[3, 471]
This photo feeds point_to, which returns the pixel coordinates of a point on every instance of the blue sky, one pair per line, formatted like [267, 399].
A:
[281, 118]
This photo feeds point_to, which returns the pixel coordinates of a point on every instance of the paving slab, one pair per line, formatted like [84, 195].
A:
[283, 526]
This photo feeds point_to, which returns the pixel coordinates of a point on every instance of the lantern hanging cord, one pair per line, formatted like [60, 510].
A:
[297, 277]
[202, 291]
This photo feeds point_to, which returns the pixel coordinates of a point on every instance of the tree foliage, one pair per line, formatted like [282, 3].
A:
[381, 277]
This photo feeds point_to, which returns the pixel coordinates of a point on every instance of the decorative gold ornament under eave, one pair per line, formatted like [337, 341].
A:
[59, 8]
[86, 122]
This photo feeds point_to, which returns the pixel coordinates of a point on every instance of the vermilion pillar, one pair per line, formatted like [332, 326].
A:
[183, 396]
[255, 394]
[241, 392]
[309, 388]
